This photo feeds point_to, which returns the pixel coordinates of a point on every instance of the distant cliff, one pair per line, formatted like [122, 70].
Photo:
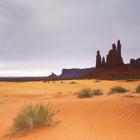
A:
[75, 73]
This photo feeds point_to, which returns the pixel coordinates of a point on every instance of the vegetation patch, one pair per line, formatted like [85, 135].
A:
[118, 89]
[33, 116]
[97, 81]
[97, 92]
[87, 93]
[138, 89]
[73, 82]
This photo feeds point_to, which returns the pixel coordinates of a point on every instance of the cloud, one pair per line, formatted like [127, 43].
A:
[55, 34]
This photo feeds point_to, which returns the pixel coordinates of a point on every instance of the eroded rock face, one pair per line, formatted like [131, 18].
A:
[103, 62]
[113, 59]
[135, 63]
[75, 73]
[113, 67]
[53, 76]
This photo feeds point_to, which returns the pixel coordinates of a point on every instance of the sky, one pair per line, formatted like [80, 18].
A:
[38, 37]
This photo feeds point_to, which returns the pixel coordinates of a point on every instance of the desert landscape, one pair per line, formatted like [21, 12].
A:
[69, 70]
[104, 117]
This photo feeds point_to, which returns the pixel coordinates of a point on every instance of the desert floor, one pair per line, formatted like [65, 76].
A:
[106, 117]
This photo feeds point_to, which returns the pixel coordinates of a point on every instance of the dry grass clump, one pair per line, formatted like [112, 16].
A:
[97, 81]
[97, 92]
[84, 93]
[33, 116]
[87, 93]
[73, 82]
[117, 89]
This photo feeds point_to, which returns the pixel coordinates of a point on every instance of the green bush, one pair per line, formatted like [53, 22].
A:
[33, 116]
[118, 89]
[138, 89]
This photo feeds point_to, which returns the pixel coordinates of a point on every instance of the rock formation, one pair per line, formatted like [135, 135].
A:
[113, 67]
[53, 76]
[113, 59]
[75, 73]
[135, 63]
[98, 60]
[103, 62]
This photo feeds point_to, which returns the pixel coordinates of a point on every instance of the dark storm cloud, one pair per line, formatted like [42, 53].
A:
[45, 35]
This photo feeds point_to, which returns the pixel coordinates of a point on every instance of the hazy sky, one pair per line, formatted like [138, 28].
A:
[41, 36]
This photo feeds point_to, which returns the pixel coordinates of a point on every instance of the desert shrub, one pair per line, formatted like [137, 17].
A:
[73, 82]
[138, 89]
[87, 92]
[33, 116]
[97, 81]
[97, 92]
[118, 89]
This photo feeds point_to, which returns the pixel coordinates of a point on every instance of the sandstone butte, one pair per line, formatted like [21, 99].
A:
[113, 67]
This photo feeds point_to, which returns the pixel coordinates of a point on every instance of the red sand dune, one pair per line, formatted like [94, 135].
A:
[99, 118]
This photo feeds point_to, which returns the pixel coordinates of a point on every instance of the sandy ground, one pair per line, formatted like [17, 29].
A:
[106, 117]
